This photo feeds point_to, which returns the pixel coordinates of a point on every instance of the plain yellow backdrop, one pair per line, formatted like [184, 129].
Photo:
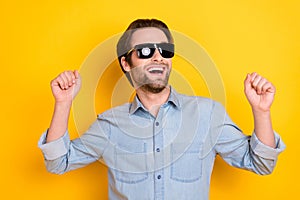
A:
[39, 39]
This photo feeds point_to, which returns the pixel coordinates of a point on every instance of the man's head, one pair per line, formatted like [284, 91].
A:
[144, 52]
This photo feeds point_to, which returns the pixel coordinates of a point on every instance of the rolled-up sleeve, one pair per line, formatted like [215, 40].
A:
[55, 149]
[63, 154]
[265, 151]
[245, 151]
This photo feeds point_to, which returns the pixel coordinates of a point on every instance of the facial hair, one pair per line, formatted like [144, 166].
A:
[143, 82]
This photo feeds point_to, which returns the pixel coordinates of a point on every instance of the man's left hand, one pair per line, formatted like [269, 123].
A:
[259, 92]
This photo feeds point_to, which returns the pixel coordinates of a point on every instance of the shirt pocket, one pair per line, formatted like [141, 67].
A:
[131, 165]
[186, 163]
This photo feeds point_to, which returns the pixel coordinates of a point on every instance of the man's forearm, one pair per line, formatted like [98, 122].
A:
[263, 127]
[59, 122]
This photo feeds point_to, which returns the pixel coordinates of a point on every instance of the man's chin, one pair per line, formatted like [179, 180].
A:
[154, 88]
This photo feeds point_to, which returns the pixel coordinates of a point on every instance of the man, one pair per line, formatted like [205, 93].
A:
[163, 144]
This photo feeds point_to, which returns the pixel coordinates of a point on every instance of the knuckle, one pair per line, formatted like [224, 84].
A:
[65, 73]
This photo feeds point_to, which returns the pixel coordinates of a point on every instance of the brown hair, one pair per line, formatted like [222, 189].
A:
[123, 45]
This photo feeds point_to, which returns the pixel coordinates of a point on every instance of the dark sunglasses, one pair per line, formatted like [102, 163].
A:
[145, 51]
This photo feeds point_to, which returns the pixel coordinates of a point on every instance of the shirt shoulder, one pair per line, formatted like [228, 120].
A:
[118, 111]
[203, 103]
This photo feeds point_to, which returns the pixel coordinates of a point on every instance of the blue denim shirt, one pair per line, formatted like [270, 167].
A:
[170, 156]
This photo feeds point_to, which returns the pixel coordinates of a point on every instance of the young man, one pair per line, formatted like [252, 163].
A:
[163, 144]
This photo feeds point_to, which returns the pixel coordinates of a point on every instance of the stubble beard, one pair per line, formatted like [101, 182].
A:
[153, 86]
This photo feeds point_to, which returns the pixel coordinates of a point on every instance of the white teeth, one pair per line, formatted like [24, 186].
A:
[155, 69]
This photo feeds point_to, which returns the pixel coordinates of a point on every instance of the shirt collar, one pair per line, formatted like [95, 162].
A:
[173, 98]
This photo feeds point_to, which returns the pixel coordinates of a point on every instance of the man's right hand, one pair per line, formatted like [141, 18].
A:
[66, 86]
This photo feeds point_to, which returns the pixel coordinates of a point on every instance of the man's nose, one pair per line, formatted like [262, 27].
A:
[157, 56]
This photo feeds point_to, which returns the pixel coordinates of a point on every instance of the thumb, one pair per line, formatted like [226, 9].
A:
[77, 77]
[76, 73]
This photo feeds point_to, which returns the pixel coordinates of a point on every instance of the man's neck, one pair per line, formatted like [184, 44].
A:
[153, 101]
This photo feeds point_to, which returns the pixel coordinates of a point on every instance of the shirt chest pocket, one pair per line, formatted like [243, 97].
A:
[131, 165]
[186, 162]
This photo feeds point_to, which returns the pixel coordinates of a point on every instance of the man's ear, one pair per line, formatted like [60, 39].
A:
[125, 65]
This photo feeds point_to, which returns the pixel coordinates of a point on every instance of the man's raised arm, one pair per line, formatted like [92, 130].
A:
[64, 87]
[260, 94]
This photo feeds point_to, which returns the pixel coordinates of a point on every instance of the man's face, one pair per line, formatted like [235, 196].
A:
[151, 74]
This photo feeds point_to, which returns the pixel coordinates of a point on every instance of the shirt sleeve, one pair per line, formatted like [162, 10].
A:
[54, 149]
[265, 151]
[63, 154]
[244, 151]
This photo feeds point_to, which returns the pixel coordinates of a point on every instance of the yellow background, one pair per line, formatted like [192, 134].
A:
[39, 39]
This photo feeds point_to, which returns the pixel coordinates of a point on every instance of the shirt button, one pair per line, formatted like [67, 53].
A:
[157, 123]
[157, 149]
[159, 177]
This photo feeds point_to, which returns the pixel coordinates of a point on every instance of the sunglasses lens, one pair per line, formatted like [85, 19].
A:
[145, 51]
[166, 50]
[167, 54]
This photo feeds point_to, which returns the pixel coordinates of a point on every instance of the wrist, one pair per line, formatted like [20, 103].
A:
[63, 104]
[261, 113]
[260, 109]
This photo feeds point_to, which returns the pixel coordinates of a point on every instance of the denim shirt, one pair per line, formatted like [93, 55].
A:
[170, 156]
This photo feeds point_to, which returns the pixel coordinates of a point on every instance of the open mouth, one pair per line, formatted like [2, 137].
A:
[156, 70]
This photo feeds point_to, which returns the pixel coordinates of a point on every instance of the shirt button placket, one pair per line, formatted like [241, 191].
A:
[158, 174]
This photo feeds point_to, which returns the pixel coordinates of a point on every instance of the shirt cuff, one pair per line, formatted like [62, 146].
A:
[54, 149]
[266, 151]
